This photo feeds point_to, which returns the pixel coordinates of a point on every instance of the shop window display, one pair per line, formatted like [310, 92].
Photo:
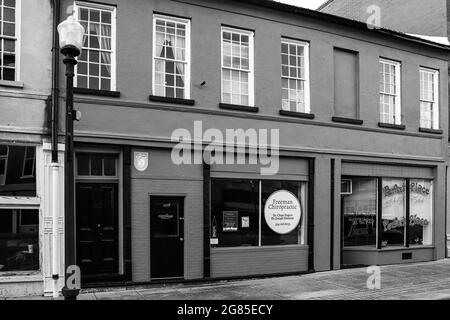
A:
[420, 220]
[360, 213]
[238, 213]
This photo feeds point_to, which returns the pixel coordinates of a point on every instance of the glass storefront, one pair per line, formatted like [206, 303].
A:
[238, 211]
[360, 213]
[396, 226]
[19, 228]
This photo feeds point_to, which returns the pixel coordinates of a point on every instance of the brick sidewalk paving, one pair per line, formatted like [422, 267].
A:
[429, 280]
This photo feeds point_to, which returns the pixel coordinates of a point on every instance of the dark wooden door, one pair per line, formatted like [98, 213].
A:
[166, 243]
[97, 229]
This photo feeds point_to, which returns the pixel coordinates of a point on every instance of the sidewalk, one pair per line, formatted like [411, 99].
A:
[429, 280]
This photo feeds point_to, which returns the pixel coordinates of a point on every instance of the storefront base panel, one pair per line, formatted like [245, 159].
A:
[21, 286]
[253, 261]
[369, 257]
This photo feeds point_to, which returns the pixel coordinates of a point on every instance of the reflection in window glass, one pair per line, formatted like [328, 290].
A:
[420, 218]
[19, 246]
[360, 213]
[393, 212]
[17, 168]
[234, 212]
[268, 236]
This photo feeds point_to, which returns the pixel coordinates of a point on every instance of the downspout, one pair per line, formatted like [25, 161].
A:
[54, 167]
[55, 80]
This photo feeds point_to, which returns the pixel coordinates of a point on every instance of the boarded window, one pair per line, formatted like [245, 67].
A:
[345, 84]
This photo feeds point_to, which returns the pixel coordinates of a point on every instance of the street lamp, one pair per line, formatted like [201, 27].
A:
[71, 34]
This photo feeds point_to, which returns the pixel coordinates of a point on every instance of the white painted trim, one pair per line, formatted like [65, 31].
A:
[435, 120]
[307, 70]
[251, 63]
[18, 39]
[112, 9]
[187, 76]
[398, 91]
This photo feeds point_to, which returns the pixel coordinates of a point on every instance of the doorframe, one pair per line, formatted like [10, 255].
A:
[119, 180]
[168, 195]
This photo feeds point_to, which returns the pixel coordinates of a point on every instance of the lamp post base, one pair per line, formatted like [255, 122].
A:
[70, 294]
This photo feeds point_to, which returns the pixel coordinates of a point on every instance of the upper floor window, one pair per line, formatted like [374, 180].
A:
[429, 99]
[29, 160]
[96, 67]
[8, 40]
[390, 104]
[295, 76]
[171, 57]
[237, 66]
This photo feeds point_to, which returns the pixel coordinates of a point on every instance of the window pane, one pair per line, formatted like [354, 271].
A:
[15, 162]
[420, 218]
[360, 213]
[83, 165]
[110, 166]
[393, 212]
[96, 165]
[268, 236]
[19, 240]
[234, 212]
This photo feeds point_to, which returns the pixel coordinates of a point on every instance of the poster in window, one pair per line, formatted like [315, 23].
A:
[245, 222]
[230, 221]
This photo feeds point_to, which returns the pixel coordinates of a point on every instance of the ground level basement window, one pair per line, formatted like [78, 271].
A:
[387, 212]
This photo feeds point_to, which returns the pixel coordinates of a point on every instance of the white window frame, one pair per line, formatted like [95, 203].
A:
[24, 176]
[3, 175]
[398, 91]
[187, 75]
[307, 78]
[435, 109]
[17, 39]
[251, 62]
[112, 9]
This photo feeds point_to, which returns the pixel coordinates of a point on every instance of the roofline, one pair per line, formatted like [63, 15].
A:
[324, 5]
[342, 21]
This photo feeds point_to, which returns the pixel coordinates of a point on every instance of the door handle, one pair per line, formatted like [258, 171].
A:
[181, 239]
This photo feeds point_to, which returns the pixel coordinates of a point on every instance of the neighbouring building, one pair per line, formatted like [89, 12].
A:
[363, 130]
[410, 16]
[25, 114]
[427, 19]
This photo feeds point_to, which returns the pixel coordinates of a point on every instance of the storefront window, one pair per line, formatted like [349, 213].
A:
[269, 237]
[393, 212]
[399, 226]
[235, 208]
[19, 228]
[238, 213]
[17, 171]
[19, 244]
[421, 209]
[360, 213]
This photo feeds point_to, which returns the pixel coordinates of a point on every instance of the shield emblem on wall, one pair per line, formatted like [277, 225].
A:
[141, 161]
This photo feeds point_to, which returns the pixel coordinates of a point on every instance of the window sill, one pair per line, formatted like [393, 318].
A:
[93, 92]
[238, 107]
[373, 249]
[433, 131]
[188, 102]
[391, 126]
[347, 120]
[11, 84]
[297, 114]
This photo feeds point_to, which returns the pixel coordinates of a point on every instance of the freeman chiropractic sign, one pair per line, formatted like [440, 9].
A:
[282, 212]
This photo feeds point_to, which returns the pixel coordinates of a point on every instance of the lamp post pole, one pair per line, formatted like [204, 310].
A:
[69, 195]
[71, 34]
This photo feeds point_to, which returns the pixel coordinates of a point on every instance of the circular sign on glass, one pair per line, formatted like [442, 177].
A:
[282, 212]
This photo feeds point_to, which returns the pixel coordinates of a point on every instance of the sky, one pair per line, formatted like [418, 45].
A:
[311, 4]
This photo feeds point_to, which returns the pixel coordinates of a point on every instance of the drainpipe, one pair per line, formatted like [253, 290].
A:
[55, 167]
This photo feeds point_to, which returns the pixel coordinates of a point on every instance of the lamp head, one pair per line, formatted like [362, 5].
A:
[71, 34]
